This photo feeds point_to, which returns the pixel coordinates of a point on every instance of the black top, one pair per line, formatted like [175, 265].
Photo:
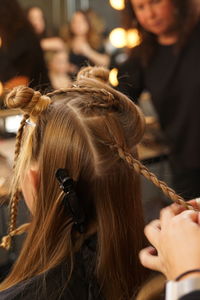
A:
[24, 57]
[80, 60]
[191, 296]
[53, 284]
[173, 79]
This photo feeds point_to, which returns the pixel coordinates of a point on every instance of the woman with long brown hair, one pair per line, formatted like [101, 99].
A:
[21, 57]
[85, 42]
[76, 163]
[166, 63]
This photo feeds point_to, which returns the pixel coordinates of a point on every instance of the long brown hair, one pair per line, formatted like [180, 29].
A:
[94, 37]
[83, 133]
[11, 10]
[91, 130]
[187, 15]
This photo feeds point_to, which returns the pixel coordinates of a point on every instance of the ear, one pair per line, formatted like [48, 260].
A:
[33, 175]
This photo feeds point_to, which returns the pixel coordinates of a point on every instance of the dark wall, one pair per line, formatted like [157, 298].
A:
[46, 6]
[102, 7]
[111, 16]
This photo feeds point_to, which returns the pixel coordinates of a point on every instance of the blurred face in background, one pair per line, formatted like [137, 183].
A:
[36, 17]
[79, 24]
[155, 16]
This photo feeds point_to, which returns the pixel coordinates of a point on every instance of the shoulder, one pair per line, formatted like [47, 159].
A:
[191, 296]
[194, 36]
[54, 284]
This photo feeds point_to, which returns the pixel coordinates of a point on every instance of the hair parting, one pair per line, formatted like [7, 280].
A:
[92, 131]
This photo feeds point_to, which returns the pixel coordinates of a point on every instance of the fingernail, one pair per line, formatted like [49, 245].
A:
[197, 200]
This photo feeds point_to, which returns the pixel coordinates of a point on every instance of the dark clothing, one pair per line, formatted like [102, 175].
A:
[53, 284]
[191, 296]
[81, 61]
[24, 57]
[78, 60]
[173, 79]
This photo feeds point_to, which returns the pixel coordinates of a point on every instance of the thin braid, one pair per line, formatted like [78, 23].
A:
[96, 92]
[19, 138]
[32, 103]
[141, 169]
[6, 240]
[15, 197]
[13, 211]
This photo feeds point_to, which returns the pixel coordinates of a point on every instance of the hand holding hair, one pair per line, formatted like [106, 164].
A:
[176, 238]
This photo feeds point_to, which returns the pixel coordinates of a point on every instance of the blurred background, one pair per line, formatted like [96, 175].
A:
[58, 12]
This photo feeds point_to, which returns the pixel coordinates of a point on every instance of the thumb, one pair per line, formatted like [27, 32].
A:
[149, 260]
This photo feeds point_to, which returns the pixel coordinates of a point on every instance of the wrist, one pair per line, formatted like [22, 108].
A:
[192, 273]
[177, 289]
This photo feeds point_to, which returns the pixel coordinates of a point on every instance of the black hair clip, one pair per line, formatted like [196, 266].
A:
[70, 200]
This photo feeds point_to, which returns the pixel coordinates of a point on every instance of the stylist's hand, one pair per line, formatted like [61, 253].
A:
[176, 237]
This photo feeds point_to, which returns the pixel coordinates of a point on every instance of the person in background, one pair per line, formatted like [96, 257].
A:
[85, 45]
[48, 42]
[21, 58]
[59, 67]
[175, 250]
[166, 63]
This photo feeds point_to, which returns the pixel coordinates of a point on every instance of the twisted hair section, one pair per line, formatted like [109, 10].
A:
[32, 103]
[19, 138]
[98, 73]
[15, 196]
[29, 101]
[94, 81]
[6, 240]
[139, 168]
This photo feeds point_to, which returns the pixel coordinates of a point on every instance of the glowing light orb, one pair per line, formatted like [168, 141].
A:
[113, 77]
[117, 4]
[133, 38]
[118, 37]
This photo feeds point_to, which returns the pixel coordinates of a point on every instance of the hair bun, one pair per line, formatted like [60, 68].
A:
[28, 100]
[98, 73]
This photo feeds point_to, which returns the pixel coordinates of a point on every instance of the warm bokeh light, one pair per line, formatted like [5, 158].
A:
[133, 38]
[117, 4]
[1, 88]
[113, 77]
[118, 37]
[0, 42]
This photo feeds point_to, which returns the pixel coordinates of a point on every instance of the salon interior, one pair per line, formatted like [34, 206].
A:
[56, 24]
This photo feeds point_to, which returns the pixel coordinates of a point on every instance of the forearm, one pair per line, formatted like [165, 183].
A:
[97, 58]
[53, 43]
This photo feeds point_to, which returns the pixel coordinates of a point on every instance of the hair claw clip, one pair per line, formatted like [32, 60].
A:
[71, 200]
